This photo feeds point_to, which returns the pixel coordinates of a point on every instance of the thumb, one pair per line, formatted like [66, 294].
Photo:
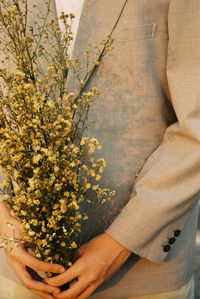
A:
[22, 255]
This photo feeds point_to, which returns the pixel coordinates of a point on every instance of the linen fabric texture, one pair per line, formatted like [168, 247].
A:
[12, 290]
[147, 119]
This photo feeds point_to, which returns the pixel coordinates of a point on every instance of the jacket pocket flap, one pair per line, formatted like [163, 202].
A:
[137, 32]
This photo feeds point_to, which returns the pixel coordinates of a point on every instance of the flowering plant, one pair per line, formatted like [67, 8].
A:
[48, 162]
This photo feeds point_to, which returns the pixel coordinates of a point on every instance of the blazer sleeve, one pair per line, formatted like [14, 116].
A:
[168, 185]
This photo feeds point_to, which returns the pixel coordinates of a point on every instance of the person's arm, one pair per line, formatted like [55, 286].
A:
[168, 185]
[19, 258]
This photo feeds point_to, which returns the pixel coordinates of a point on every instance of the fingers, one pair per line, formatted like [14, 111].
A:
[89, 290]
[81, 295]
[42, 294]
[74, 290]
[67, 276]
[22, 255]
[29, 283]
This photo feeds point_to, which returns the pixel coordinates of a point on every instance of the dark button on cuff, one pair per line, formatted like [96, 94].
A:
[172, 241]
[167, 248]
[177, 233]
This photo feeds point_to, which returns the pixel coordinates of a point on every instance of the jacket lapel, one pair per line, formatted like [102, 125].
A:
[98, 19]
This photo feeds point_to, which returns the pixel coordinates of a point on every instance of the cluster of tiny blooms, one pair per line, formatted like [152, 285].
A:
[42, 147]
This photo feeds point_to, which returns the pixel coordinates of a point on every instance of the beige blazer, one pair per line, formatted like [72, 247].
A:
[147, 119]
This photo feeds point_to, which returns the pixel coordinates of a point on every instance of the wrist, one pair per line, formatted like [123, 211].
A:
[4, 210]
[5, 215]
[116, 244]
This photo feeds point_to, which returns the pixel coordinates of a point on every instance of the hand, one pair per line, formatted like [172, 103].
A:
[97, 261]
[25, 265]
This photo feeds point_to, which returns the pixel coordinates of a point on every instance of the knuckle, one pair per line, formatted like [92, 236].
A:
[28, 284]
[82, 266]
[55, 281]
[59, 282]
[92, 277]
[36, 265]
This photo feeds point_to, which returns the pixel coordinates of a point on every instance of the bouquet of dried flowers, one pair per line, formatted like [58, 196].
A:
[43, 150]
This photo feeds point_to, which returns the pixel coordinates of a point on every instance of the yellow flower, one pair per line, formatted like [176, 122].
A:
[76, 150]
[63, 209]
[44, 242]
[98, 177]
[74, 205]
[92, 173]
[58, 187]
[16, 158]
[73, 245]
[27, 226]
[94, 141]
[56, 169]
[32, 183]
[95, 187]
[36, 202]
[31, 233]
[56, 206]
[37, 158]
[83, 141]
[36, 171]
[22, 199]
[34, 222]
[91, 148]
[72, 164]
[88, 185]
